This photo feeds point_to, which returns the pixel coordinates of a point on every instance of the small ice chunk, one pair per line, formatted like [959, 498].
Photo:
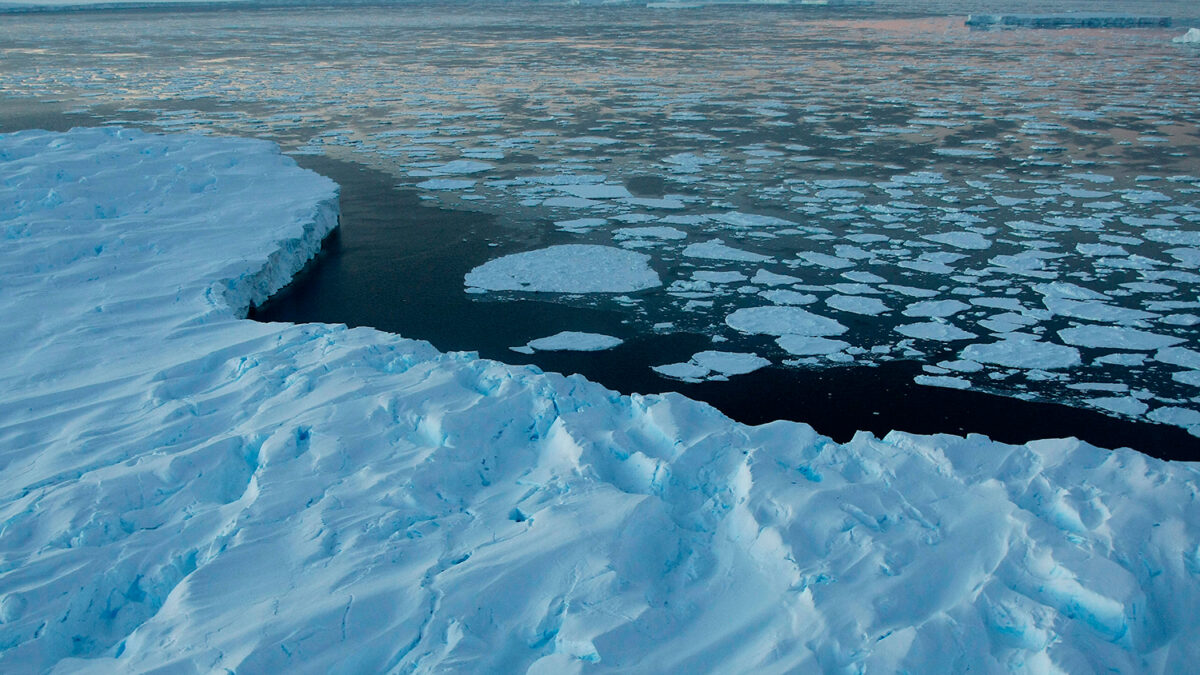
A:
[579, 224]
[1180, 417]
[1116, 337]
[459, 167]
[718, 277]
[935, 308]
[715, 249]
[1122, 359]
[739, 219]
[783, 296]
[910, 291]
[650, 232]
[947, 381]
[1179, 356]
[1095, 311]
[688, 372]
[1023, 352]
[596, 191]
[569, 268]
[446, 184]
[1123, 405]
[777, 320]
[765, 278]
[826, 260]
[934, 330]
[574, 341]
[730, 363]
[967, 240]
[802, 345]
[857, 304]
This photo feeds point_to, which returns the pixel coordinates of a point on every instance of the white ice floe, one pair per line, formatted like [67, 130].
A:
[802, 345]
[650, 232]
[934, 330]
[1122, 405]
[1116, 337]
[1192, 36]
[857, 304]
[1096, 311]
[730, 363]
[184, 490]
[596, 191]
[935, 308]
[739, 220]
[568, 268]
[708, 365]
[967, 240]
[446, 184]
[1023, 352]
[782, 320]
[457, 167]
[716, 249]
[947, 381]
[574, 341]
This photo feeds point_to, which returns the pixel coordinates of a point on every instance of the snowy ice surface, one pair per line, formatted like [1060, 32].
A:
[189, 491]
[568, 268]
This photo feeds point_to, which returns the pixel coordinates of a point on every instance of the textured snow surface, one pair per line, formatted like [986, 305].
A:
[183, 489]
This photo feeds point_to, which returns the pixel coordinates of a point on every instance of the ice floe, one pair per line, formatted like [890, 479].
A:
[574, 341]
[567, 268]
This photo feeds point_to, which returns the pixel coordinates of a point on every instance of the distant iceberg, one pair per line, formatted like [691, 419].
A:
[1067, 21]
[182, 490]
[1191, 37]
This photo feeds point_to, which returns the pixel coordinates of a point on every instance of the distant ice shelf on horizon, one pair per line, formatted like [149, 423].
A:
[186, 489]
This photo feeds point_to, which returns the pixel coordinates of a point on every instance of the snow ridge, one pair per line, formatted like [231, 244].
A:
[183, 489]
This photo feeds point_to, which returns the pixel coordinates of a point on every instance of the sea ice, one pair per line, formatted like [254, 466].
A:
[712, 365]
[801, 345]
[446, 184]
[857, 304]
[730, 363]
[574, 341]
[716, 249]
[934, 330]
[967, 240]
[568, 268]
[783, 320]
[1116, 337]
[935, 308]
[946, 381]
[1023, 352]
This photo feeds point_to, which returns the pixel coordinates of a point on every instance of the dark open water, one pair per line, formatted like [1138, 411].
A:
[398, 265]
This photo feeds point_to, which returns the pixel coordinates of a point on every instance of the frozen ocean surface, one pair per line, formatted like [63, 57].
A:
[185, 489]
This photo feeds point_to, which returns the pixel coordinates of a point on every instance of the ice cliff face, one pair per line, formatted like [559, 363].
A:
[181, 488]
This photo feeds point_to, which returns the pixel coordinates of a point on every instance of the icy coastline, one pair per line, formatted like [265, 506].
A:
[182, 488]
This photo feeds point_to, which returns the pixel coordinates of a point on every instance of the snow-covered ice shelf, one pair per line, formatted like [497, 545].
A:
[181, 488]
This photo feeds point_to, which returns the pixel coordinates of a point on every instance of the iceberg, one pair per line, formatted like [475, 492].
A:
[186, 490]
[1192, 37]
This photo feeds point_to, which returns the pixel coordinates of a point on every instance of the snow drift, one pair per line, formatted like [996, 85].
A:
[182, 488]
